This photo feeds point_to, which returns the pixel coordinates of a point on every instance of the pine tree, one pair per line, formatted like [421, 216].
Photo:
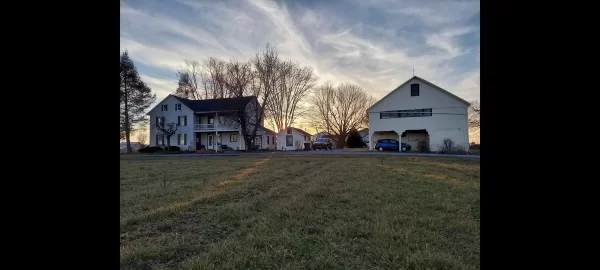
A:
[136, 97]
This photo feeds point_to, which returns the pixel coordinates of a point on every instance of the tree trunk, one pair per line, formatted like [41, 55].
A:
[127, 130]
[249, 144]
[168, 143]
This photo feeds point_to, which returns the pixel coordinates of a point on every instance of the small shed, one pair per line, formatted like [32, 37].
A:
[292, 138]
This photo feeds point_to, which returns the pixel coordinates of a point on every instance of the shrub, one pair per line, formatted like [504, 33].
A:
[449, 147]
[172, 148]
[150, 149]
[355, 140]
[423, 147]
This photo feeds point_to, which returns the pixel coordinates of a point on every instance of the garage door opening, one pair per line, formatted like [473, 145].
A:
[382, 135]
[413, 137]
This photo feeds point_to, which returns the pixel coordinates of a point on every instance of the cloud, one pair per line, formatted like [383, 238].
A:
[373, 44]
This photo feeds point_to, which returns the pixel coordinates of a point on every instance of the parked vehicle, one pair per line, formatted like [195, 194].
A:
[322, 143]
[390, 144]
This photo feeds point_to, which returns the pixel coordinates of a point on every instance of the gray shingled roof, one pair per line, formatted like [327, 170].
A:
[211, 105]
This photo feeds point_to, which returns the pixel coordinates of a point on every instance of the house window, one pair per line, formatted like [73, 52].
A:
[273, 139]
[160, 120]
[182, 138]
[165, 107]
[289, 131]
[414, 90]
[233, 138]
[211, 119]
[182, 120]
[160, 139]
[406, 113]
[258, 141]
[289, 140]
[178, 107]
[268, 139]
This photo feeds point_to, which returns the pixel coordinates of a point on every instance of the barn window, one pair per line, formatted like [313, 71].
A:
[414, 90]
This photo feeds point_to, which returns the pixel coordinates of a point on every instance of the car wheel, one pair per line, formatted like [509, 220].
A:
[403, 148]
[380, 149]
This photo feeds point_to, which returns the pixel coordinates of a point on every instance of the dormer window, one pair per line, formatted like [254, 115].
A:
[414, 90]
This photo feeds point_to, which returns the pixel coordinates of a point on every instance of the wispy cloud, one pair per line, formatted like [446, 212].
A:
[371, 43]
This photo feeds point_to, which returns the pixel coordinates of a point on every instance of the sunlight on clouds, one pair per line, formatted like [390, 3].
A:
[376, 52]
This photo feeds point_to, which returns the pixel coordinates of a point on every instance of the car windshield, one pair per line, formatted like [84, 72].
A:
[322, 140]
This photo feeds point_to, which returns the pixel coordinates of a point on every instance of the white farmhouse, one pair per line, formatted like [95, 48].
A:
[292, 139]
[418, 110]
[206, 124]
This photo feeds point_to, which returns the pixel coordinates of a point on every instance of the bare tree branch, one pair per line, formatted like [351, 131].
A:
[284, 103]
[339, 110]
[142, 137]
[474, 115]
[189, 80]
[167, 130]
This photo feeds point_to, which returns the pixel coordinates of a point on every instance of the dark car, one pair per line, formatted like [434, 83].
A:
[322, 143]
[390, 144]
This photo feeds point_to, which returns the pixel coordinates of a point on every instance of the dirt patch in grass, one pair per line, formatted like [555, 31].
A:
[354, 212]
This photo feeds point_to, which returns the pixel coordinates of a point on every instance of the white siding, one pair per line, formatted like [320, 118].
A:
[448, 120]
[171, 116]
[297, 137]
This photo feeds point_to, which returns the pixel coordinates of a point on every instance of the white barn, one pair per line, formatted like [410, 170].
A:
[418, 110]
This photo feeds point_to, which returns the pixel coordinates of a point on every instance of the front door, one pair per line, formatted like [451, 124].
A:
[198, 143]
[210, 142]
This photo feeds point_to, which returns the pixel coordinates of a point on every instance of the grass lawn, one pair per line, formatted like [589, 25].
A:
[300, 212]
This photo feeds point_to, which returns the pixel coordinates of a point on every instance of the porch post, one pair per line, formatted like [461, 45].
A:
[216, 133]
[240, 138]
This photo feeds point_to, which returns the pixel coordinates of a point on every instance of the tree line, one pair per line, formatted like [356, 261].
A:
[286, 91]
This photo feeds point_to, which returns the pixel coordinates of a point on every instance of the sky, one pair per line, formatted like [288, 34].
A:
[371, 43]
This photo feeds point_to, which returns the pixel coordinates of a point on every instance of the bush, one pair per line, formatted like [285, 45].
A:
[423, 147]
[355, 140]
[172, 148]
[449, 147]
[150, 149]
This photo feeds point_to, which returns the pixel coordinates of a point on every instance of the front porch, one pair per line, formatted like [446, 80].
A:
[215, 140]
[232, 140]
[214, 122]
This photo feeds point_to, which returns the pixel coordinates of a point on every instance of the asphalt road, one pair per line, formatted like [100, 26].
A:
[314, 152]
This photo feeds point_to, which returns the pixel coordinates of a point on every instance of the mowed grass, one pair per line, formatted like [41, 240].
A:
[300, 212]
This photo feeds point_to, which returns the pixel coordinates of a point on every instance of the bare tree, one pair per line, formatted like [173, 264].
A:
[267, 72]
[142, 137]
[320, 107]
[284, 105]
[189, 81]
[339, 110]
[167, 130]
[213, 78]
[474, 115]
[204, 81]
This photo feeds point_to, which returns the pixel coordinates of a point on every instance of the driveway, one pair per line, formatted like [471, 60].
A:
[313, 152]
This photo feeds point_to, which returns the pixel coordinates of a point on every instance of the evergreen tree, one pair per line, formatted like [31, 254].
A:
[135, 97]
[355, 140]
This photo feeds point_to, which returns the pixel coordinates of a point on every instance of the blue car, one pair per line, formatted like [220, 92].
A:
[389, 144]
